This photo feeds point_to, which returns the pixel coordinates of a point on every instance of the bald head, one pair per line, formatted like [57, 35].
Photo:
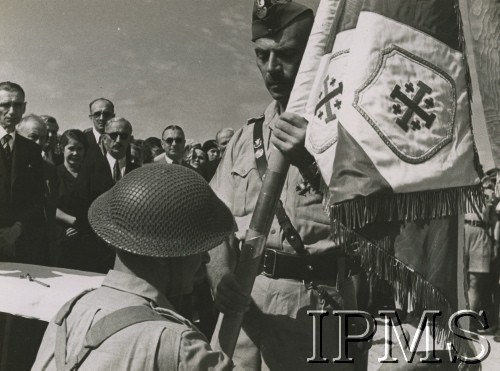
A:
[223, 137]
[33, 128]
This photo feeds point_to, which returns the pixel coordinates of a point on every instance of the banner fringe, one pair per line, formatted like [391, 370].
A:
[406, 207]
[410, 288]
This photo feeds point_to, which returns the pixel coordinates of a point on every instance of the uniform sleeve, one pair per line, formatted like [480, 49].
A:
[45, 357]
[222, 181]
[195, 354]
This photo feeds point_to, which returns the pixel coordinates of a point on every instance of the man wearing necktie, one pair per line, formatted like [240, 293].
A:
[23, 224]
[173, 142]
[22, 219]
[117, 138]
[99, 174]
[101, 110]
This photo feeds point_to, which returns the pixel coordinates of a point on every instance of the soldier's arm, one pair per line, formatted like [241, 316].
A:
[228, 296]
[195, 354]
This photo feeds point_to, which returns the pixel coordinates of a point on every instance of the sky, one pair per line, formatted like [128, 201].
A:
[161, 62]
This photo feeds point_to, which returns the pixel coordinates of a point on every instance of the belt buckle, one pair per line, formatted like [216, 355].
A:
[268, 264]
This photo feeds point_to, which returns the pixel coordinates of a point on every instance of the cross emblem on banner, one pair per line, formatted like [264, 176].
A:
[327, 105]
[413, 107]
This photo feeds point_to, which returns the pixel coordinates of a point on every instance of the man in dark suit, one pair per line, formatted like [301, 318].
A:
[23, 235]
[173, 142]
[98, 174]
[23, 232]
[50, 152]
[101, 110]
[34, 128]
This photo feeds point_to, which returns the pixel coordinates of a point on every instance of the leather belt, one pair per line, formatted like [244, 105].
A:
[321, 267]
[477, 223]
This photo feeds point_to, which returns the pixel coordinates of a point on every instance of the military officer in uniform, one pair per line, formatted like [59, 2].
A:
[303, 268]
[159, 219]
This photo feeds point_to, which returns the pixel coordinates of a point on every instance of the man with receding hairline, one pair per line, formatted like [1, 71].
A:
[22, 220]
[101, 110]
[173, 142]
[99, 174]
[23, 227]
[223, 137]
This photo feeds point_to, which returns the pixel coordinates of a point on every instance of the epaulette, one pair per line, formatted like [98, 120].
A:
[253, 120]
[171, 316]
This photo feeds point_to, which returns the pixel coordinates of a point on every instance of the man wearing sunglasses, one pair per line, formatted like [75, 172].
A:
[173, 142]
[101, 110]
[98, 175]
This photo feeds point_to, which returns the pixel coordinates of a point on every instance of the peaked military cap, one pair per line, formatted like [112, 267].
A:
[271, 16]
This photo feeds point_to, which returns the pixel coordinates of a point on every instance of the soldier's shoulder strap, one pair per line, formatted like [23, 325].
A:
[253, 120]
[105, 328]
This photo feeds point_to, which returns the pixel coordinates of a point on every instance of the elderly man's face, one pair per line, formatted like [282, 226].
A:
[12, 107]
[117, 138]
[174, 143]
[223, 139]
[34, 131]
[100, 112]
[279, 56]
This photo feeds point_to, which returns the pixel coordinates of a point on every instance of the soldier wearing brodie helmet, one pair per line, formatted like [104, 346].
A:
[303, 268]
[159, 219]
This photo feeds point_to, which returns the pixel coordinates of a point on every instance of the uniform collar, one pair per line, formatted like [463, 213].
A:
[137, 286]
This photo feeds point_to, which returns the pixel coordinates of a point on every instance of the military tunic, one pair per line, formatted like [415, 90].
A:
[277, 332]
[158, 345]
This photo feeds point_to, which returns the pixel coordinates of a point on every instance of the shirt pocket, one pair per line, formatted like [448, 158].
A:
[247, 186]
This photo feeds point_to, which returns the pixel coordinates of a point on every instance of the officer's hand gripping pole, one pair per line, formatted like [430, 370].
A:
[254, 245]
[320, 40]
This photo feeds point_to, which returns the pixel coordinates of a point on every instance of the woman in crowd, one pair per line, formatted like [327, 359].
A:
[197, 160]
[74, 146]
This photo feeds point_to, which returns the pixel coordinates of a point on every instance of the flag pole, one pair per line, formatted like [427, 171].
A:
[254, 245]
[255, 239]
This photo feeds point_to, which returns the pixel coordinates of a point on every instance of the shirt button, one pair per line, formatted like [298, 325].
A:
[273, 231]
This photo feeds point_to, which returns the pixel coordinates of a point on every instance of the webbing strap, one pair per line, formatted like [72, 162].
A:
[103, 329]
[290, 233]
[61, 333]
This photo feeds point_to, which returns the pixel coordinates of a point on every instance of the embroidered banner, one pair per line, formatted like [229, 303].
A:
[325, 99]
[405, 148]
[389, 126]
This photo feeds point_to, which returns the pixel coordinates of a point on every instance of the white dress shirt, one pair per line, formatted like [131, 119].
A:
[3, 132]
[121, 164]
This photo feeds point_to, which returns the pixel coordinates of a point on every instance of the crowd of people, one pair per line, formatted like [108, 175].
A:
[78, 166]
[141, 212]
[50, 179]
